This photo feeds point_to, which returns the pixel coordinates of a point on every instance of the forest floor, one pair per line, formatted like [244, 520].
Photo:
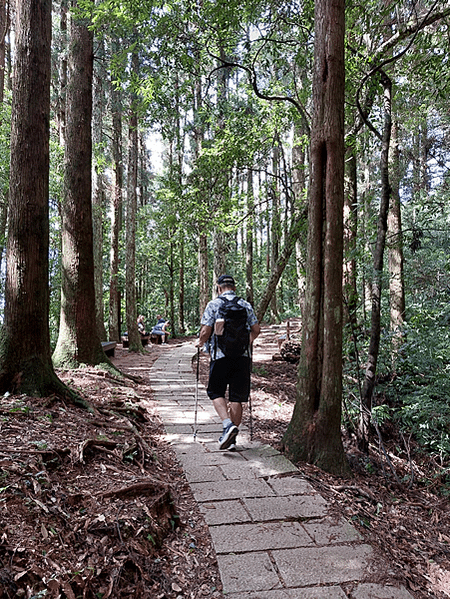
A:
[95, 505]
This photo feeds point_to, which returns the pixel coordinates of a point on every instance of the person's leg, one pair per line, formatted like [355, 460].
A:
[221, 407]
[217, 384]
[239, 389]
[236, 412]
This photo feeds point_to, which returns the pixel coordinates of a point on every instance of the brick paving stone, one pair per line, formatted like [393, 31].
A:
[189, 448]
[207, 427]
[291, 485]
[209, 458]
[247, 572]
[326, 532]
[178, 437]
[261, 536]
[224, 512]
[259, 469]
[324, 565]
[197, 474]
[280, 508]
[331, 592]
[234, 489]
[172, 429]
[257, 451]
[177, 417]
[376, 591]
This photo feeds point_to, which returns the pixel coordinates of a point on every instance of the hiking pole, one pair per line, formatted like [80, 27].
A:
[196, 392]
[250, 401]
[250, 414]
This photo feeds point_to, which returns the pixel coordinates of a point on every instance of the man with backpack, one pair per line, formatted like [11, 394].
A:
[228, 329]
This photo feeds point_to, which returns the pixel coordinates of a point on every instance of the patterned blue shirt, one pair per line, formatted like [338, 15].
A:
[212, 312]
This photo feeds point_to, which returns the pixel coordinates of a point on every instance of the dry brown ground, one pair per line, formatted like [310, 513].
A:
[96, 505]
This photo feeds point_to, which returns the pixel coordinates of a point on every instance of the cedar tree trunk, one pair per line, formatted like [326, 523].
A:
[378, 257]
[78, 340]
[25, 357]
[314, 433]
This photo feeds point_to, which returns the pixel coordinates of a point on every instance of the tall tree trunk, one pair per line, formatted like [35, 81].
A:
[116, 215]
[220, 253]
[179, 132]
[295, 229]
[314, 432]
[171, 292]
[202, 226]
[203, 272]
[134, 336]
[378, 256]
[395, 251]
[182, 328]
[78, 339]
[350, 233]
[98, 195]
[366, 201]
[25, 359]
[4, 26]
[4, 195]
[220, 238]
[298, 189]
[249, 292]
[275, 223]
[62, 66]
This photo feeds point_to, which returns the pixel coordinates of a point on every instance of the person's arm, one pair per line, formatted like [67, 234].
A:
[205, 334]
[255, 330]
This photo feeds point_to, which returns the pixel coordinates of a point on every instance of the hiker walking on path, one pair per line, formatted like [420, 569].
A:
[228, 329]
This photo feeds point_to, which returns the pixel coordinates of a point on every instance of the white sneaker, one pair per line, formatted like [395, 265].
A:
[229, 436]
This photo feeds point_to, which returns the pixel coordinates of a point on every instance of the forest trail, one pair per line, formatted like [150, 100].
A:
[274, 535]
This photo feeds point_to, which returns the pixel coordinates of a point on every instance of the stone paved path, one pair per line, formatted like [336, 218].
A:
[272, 533]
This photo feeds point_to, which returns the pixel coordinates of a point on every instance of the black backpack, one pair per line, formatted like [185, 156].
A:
[235, 338]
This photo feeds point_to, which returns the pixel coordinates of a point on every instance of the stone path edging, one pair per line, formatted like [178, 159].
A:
[271, 531]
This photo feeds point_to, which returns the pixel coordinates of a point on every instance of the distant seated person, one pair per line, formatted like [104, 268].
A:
[161, 328]
[141, 324]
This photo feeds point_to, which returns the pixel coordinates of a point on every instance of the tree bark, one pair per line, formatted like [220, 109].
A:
[249, 292]
[202, 226]
[78, 339]
[4, 198]
[298, 189]
[98, 196]
[378, 257]
[203, 271]
[221, 247]
[295, 230]
[182, 328]
[220, 253]
[314, 432]
[62, 70]
[350, 235]
[275, 232]
[116, 215]
[25, 357]
[134, 337]
[395, 251]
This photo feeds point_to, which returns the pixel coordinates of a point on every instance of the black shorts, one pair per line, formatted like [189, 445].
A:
[233, 373]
